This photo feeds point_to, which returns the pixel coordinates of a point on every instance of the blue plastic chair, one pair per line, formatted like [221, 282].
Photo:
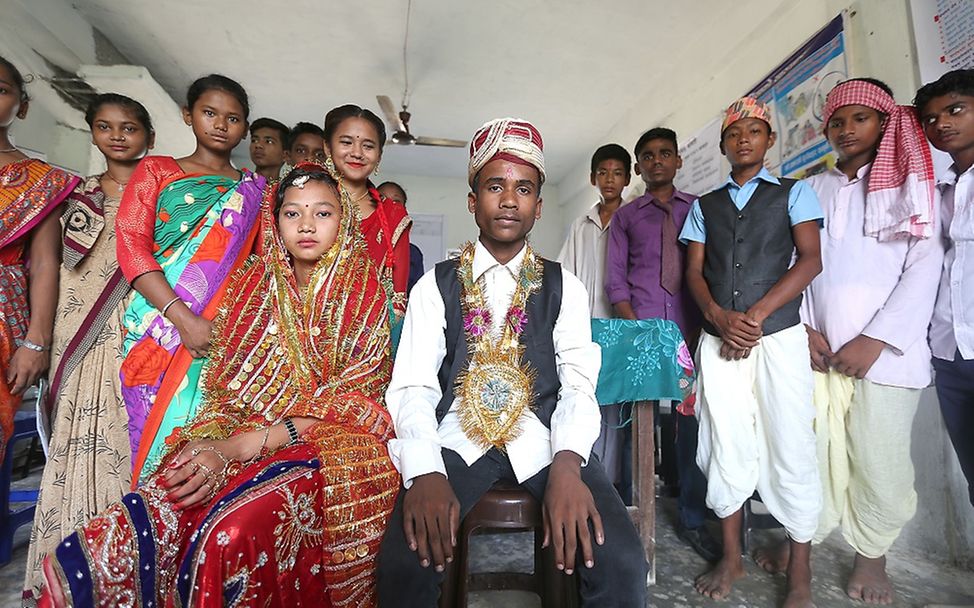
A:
[25, 427]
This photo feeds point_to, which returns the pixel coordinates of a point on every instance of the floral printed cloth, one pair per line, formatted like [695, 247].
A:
[642, 360]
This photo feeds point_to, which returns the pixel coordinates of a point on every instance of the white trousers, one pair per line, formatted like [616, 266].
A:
[864, 432]
[756, 430]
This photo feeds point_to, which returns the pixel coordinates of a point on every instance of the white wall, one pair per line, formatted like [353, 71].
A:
[704, 80]
[447, 196]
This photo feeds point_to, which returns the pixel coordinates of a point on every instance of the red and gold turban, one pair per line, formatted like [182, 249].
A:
[746, 107]
[511, 139]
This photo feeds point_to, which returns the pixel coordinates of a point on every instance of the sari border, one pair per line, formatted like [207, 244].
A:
[53, 203]
[258, 482]
[71, 553]
[94, 322]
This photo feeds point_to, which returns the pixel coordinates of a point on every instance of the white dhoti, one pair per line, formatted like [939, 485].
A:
[756, 430]
[863, 431]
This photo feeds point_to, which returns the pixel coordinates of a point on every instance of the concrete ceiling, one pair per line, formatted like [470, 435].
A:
[571, 66]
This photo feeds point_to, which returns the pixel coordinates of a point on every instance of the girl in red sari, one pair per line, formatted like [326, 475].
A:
[30, 245]
[279, 492]
[354, 138]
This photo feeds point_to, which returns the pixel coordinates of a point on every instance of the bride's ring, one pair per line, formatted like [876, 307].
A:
[207, 471]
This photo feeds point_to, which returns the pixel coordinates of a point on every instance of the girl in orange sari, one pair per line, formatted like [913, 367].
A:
[30, 245]
[279, 492]
[354, 138]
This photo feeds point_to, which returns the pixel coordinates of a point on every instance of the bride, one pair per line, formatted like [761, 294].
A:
[280, 489]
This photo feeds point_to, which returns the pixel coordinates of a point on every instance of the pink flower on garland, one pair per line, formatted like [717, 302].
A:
[517, 318]
[477, 322]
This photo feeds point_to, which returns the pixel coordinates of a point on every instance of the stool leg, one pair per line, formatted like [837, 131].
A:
[746, 527]
[462, 562]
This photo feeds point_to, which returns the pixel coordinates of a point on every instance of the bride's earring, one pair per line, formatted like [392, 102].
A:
[329, 163]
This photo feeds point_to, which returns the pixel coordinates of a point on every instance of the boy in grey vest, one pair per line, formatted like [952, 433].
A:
[755, 382]
[495, 381]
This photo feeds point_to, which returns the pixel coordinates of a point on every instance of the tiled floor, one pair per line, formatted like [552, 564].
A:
[918, 580]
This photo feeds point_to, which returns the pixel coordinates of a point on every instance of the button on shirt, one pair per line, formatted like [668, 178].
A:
[583, 255]
[881, 289]
[415, 388]
[952, 327]
[634, 257]
[803, 204]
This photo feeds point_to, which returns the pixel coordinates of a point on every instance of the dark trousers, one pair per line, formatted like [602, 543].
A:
[693, 483]
[955, 390]
[617, 579]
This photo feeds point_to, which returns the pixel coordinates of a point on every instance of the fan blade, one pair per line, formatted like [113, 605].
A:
[392, 116]
[440, 141]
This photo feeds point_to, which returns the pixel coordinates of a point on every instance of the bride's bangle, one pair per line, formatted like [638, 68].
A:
[260, 451]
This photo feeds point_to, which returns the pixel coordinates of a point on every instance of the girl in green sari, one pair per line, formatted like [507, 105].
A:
[183, 227]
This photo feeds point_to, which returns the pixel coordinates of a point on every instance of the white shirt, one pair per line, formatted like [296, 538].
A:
[884, 290]
[583, 255]
[415, 388]
[952, 328]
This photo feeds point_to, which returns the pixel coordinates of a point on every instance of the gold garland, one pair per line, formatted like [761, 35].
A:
[496, 386]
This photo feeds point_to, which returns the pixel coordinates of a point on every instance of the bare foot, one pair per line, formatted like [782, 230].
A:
[716, 583]
[774, 558]
[798, 599]
[869, 581]
[799, 589]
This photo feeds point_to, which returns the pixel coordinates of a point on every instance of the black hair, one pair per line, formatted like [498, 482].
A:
[612, 152]
[655, 133]
[960, 82]
[315, 175]
[301, 128]
[401, 189]
[337, 116]
[114, 99]
[218, 82]
[875, 82]
[276, 125]
[19, 81]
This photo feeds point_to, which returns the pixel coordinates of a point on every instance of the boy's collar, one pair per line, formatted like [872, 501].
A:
[950, 177]
[763, 174]
[860, 173]
[646, 198]
[484, 260]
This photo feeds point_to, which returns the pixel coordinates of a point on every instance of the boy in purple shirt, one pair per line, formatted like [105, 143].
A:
[644, 280]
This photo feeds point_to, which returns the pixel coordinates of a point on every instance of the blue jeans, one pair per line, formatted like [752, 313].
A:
[955, 390]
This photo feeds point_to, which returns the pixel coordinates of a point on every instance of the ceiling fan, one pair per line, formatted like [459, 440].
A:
[399, 123]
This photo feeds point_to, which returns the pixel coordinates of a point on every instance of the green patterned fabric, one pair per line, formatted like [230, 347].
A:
[642, 360]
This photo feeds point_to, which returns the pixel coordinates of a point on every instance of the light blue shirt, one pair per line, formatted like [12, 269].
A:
[803, 205]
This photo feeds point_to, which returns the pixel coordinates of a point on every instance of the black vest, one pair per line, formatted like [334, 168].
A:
[543, 307]
[749, 250]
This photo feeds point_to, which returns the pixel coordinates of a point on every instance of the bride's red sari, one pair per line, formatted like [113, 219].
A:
[301, 527]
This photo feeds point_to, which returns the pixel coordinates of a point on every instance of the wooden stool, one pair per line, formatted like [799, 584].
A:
[510, 508]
